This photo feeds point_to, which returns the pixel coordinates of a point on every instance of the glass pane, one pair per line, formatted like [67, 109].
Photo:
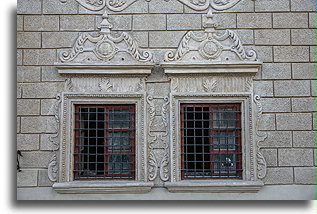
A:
[224, 140]
[119, 118]
[119, 164]
[119, 141]
[225, 163]
[224, 118]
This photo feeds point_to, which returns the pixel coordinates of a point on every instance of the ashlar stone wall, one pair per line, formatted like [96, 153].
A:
[282, 32]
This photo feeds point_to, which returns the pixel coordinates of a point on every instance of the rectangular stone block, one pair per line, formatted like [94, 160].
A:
[18, 125]
[45, 143]
[19, 90]
[43, 180]
[59, 39]
[149, 22]
[304, 70]
[19, 57]
[265, 53]
[278, 139]
[304, 139]
[28, 107]
[303, 36]
[245, 36]
[294, 121]
[158, 39]
[279, 176]
[29, 6]
[307, 104]
[226, 20]
[303, 5]
[295, 157]
[314, 121]
[305, 175]
[183, 21]
[119, 22]
[291, 54]
[267, 122]
[313, 87]
[254, 20]
[263, 88]
[28, 142]
[156, 6]
[28, 74]
[288, 88]
[276, 105]
[272, 37]
[41, 124]
[41, 23]
[272, 5]
[27, 178]
[142, 38]
[19, 23]
[276, 71]
[42, 90]
[78, 22]
[49, 73]
[312, 20]
[39, 57]
[35, 159]
[60, 7]
[290, 20]
[270, 156]
[48, 106]
[312, 54]
[28, 40]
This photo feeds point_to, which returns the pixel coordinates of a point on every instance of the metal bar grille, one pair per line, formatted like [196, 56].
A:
[211, 141]
[104, 142]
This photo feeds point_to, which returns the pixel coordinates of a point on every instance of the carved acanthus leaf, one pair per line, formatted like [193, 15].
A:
[181, 51]
[153, 166]
[209, 85]
[149, 100]
[164, 172]
[261, 165]
[53, 169]
[105, 85]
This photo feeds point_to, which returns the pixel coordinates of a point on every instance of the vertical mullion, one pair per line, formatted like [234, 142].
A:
[195, 159]
[203, 140]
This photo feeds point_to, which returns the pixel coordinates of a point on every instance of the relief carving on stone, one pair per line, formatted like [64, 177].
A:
[215, 4]
[210, 45]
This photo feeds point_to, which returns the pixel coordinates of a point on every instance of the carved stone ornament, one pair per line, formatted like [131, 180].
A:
[53, 169]
[104, 47]
[210, 45]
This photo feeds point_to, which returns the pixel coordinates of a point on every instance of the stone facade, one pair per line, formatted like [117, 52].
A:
[158, 59]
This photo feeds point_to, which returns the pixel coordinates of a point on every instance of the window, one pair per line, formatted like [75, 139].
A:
[104, 142]
[211, 141]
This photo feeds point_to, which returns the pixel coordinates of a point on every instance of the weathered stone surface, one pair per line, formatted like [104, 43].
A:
[119, 22]
[39, 57]
[49, 73]
[263, 88]
[28, 40]
[159, 38]
[27, 178]
[136, 7]
[58, 39]
[142, 38]
[226, 20]
[245, 36]
[292, 88]
[279, 176]
[294, 121]
[267, 122]
[272, 5]
[28, 142]
[183, 21]
[47, 106]
[304, 139]
[278, 139]
[19, 23]
[276, 71]
[42, 90]
[149, 22]
[41, 124]
[77, 22]
[243, 6]
[290, 20]
[270, 156]
[157, 6]
[35, 159]
[41, 23]
[252, 20]
[315, 157]
[304, 70]
[305, 175]
[307, 104]
[45, 143]
[28, 107]
[291, 54]
[312, 54]
[265, 53]
[312, 20]
[300, 5]
[19, 57]
[19, 90]
[314, 121]
[43, 180]
[28, 74]
[303, 36]
[295, 157]
[29, 7]
[276, 104]
[313, 87]
[58, 7]
[18, 125]
[272, 37]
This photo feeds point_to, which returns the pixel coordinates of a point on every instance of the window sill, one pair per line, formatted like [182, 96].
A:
[97, 187]
[219, 186]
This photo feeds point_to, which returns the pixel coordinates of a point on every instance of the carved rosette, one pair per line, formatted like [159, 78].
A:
[260, 160]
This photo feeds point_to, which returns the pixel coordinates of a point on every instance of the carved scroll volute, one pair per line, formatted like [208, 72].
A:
[53, 169]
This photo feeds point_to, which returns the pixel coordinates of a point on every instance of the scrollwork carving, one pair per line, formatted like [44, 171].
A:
[105, 85]
[209, 85]
[53, 169]
[164, 172]
[153, 166]
[54, 138]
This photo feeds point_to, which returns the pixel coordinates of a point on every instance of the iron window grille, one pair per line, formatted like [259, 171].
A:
[104, 142]
[211, 141]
